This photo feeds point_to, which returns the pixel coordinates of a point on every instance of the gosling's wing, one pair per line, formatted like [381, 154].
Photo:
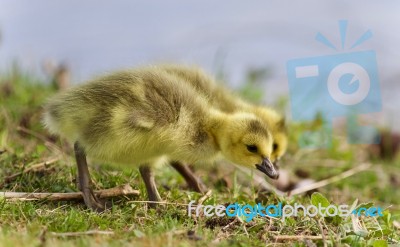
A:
[218, 95]
[140, 99]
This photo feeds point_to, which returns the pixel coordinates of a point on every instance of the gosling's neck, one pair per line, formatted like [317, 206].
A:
[215, 126]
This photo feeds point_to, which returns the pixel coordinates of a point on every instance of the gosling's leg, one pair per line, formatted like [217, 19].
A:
[191, 179]
[148, 178]
[89, 197]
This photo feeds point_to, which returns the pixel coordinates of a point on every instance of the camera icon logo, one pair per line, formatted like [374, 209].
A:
[332, 86]
[359, 74]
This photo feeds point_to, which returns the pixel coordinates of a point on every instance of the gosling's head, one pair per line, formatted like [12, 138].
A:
[277, 126]
[246, 140]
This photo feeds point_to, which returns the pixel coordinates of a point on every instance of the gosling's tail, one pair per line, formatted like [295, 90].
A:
[63, 119]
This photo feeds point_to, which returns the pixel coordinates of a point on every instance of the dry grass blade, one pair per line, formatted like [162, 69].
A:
[358, 227]
[333, 179]
[203, 198]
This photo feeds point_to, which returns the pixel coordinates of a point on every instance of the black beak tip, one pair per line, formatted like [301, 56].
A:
[276, 176]
[272, 173]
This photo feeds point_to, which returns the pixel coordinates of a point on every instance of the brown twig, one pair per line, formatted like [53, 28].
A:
[296, 237]
[330, 180]
[123, 190]
[77, 234]
[35, 167]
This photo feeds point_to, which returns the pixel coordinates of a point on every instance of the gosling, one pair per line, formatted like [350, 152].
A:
[224, 100]
[140, 116]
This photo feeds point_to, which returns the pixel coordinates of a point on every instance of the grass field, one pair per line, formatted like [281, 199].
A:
[24, 144]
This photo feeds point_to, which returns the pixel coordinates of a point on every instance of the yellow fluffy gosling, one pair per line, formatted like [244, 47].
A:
[137, 117]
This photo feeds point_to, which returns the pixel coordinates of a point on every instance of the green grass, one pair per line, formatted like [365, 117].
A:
[41, 223]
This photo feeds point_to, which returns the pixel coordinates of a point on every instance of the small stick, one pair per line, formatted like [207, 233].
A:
[77, 234]
[123, 190]
[330, 180]
[296, 237]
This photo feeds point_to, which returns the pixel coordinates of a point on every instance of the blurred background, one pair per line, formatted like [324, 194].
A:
[234, 40]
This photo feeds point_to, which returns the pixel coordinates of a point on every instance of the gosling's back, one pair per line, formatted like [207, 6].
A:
[129, 116]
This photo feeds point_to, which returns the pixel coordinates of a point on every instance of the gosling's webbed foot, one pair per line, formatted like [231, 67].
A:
[93, 202]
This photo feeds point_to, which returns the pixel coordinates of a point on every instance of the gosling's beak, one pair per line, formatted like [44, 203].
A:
[268, 168]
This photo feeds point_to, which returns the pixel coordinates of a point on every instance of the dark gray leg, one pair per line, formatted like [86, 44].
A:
[90, 199]
[191, 179]
[148, 178]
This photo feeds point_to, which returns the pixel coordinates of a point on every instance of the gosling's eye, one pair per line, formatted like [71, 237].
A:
[252, 148]
[275, 146]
